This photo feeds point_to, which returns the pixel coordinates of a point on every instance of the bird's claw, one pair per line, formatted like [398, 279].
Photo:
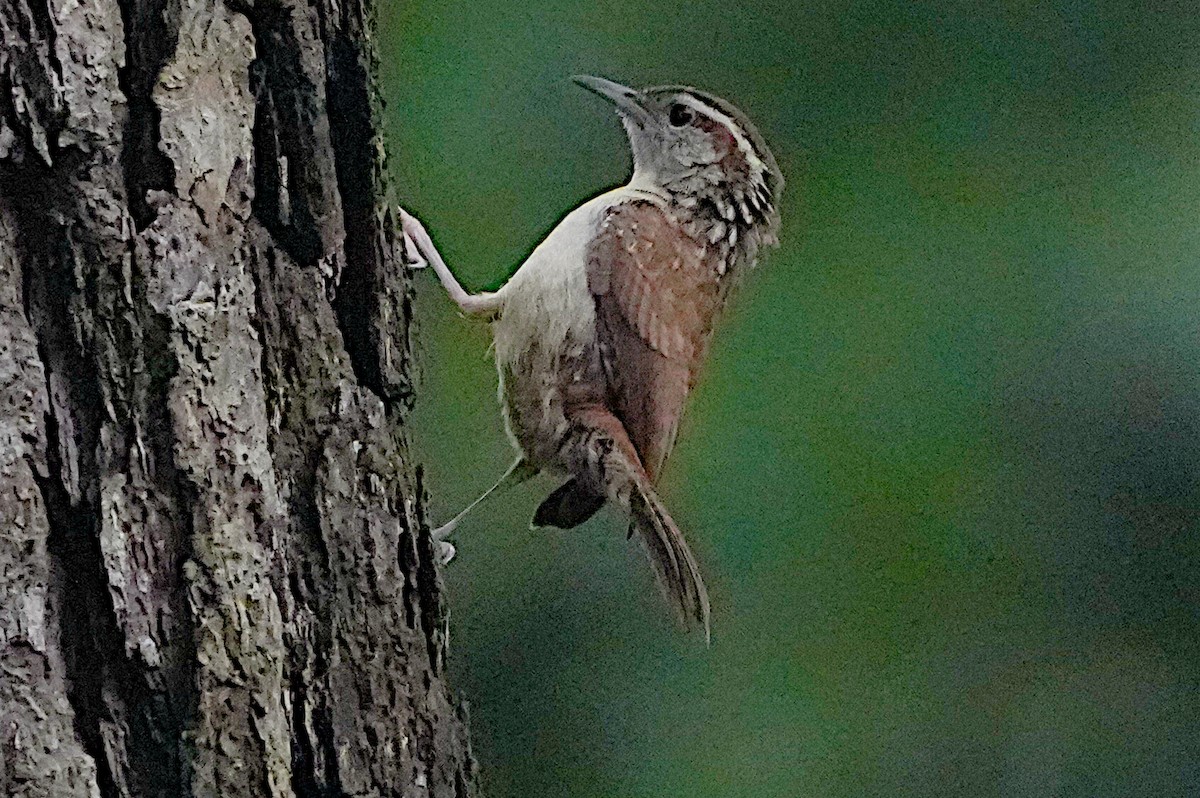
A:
[444, 552]
[413, 232]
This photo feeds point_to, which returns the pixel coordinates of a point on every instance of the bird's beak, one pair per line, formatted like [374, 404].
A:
[629, 102]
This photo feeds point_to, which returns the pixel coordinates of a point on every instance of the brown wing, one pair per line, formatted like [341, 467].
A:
[657, 294]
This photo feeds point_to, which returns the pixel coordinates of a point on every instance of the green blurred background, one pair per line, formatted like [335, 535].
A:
[943, 473]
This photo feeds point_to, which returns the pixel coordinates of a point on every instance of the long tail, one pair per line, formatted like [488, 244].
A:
[601, 448]
[674, 564]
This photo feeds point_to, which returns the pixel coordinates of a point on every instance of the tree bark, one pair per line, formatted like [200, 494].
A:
[215, 574]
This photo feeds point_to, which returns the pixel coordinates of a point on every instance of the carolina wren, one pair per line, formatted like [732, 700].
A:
[601, 332]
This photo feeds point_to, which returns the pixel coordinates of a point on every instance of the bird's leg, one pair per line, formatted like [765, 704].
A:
[417, 239]
[517, 473]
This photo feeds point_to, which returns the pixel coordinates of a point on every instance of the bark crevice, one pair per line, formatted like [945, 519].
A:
[79, 588]
[151, 33]
[111, 691]
[358, 291]
[293, 196]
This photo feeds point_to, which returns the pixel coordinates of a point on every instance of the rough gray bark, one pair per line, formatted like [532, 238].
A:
[215, 574]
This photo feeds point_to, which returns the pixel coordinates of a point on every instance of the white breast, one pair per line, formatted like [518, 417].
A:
[547, 301]
[546, 331]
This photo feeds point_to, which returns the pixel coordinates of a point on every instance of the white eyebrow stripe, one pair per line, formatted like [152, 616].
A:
[698, 105]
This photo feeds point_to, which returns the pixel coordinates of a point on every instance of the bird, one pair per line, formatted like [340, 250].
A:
[601, 333]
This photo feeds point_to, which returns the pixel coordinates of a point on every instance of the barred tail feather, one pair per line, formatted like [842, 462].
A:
[674, 564]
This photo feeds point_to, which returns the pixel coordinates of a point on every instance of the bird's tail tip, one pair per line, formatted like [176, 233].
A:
[676, 568]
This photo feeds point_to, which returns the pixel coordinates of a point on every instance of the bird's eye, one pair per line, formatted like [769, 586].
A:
[680, 115]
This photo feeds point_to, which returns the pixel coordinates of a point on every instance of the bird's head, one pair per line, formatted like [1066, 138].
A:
[698, 149]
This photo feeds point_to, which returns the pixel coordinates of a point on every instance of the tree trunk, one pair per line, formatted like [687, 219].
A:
[215, 575]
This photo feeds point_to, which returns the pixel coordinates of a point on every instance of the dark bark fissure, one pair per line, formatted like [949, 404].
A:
[428, 585]
[106, 687]
[352, 137]
[271, 206]
[288, 192]
[151, 34]
[79, 587]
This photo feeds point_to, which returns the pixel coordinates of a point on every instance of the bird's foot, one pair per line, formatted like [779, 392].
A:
[409, 226]
[443, 551]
